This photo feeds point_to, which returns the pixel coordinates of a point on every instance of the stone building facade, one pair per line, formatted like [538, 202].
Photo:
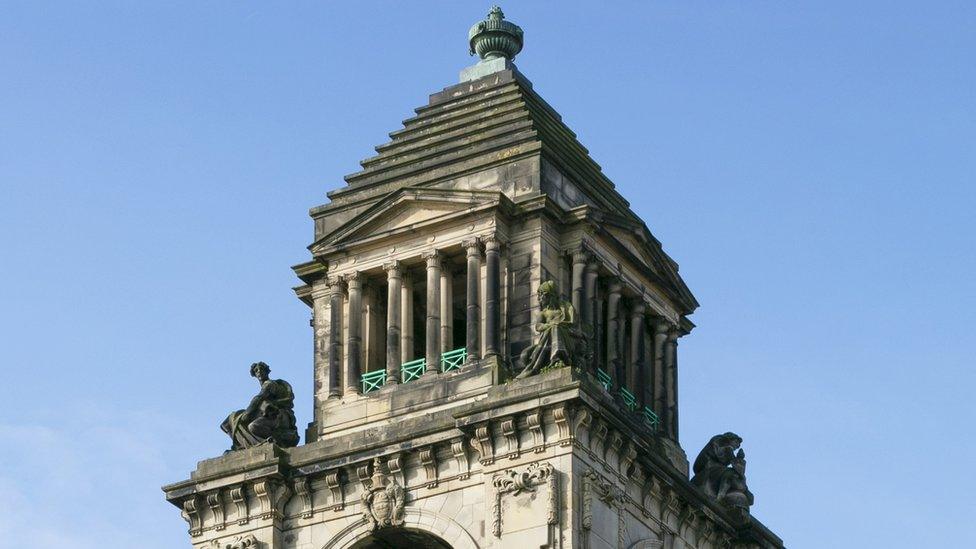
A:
[423, 284]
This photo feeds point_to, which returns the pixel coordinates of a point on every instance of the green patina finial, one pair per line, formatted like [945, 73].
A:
[494, 37]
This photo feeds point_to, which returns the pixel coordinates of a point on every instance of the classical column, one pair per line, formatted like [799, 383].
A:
[660, 338]
[589, 290]
[336, 291]
[671, 384]
[447, 308]
[406, 319]
[614, 362]
[433, 348]
[636, 376]
[580, 303]
[599, 304]
[354, 336]
[394, 289]
[472, 340]
[492, 292]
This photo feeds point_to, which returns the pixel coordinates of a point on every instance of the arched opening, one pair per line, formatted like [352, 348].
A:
[400, 538]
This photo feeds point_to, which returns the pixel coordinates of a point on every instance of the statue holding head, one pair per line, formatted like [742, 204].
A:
[720, 471]
[561, 342]
[270, 417]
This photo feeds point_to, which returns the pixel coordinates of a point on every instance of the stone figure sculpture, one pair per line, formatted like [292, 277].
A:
[720, 471]
[561, 342]
[270, 416]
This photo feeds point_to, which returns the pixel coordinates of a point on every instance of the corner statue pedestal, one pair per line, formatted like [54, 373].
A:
[270, 417]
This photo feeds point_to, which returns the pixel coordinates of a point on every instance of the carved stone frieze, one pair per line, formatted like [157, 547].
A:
[582, 426]
[612, 450]
[518, 481]
[191, 512]
[627, 459]
[247, 541]
[384, 500]
[460, 458]
[272, 495]
[333, 479]
[597, 434]
[533, 420]
[215, 501]
[510, 433]
[482, 443]
[428, 458]
[395, 464]
[561, 416]
[301, 488]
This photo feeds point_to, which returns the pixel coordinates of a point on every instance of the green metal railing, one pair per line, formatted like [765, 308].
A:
[650, 418]
[372, 381]
[603, 378]
[412, 370]
[453, 360]
[630, 401]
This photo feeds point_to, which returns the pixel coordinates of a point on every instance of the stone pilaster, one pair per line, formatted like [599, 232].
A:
[394, 289]
[473, 313]
[321, 295]
[337, 290]
[492, 293]
[354, 335]
[433, 347]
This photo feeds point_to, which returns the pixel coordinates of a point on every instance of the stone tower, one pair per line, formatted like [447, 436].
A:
[495, 355]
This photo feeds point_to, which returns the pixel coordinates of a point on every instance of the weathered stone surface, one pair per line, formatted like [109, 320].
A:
[426, 272]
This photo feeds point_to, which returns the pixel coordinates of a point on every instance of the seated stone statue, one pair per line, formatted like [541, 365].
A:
[561, 343]
[720, 471]
[270, 416]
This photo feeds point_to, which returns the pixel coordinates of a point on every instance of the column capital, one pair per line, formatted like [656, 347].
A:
[673, 335]
[491, 242]
[581, 256]
[353, 279]
[336, 283]
[472, 246]
[661, 325]
[637, 308]
[615, 286]
[433, 258]
[393, 269]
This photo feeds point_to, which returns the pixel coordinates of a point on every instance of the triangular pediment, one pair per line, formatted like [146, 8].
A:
[628, 238]
[408, 209]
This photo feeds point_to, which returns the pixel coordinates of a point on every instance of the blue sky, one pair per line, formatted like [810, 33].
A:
[810, 165]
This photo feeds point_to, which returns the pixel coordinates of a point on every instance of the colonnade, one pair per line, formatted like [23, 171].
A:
[648, 370]
[346, 331]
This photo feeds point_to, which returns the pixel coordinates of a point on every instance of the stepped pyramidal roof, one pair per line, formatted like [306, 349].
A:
[493, 132]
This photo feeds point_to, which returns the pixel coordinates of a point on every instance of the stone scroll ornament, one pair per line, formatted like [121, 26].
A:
[561, 341]
[720, 471]
[270, 416]
[383, 501]
[516, 482]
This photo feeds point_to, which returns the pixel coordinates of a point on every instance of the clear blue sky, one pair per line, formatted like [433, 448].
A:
[809, 164]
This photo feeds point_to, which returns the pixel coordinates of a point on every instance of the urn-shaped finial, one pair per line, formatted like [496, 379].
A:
[495, 37]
